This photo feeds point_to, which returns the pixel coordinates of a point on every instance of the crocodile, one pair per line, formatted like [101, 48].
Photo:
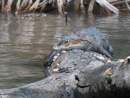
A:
[50, 58]
[87, 39]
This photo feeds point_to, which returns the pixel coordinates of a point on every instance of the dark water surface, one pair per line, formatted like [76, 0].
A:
[25, 41]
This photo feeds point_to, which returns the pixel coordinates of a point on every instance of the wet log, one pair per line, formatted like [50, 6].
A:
[119, 2]
[127, 5]
[105, 11]
[81, 75]
[104, 3]
[34, 6]
[26, 6]
[82, 6]
[23, 4]
[76, 5]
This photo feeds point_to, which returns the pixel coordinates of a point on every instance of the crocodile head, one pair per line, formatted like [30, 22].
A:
[71, 44]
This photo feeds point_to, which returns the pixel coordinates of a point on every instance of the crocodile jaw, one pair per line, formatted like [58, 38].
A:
[67, 46]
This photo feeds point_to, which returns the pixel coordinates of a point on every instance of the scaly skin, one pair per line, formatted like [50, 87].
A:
[87, 39]
[49, 58]
[90, 39]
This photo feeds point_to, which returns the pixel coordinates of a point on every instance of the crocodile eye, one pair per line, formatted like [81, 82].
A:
[63, 42]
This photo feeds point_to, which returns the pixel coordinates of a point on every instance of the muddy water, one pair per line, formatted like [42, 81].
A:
[25, 41]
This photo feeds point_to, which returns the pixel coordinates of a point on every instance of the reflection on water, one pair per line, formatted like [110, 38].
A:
[24, 43]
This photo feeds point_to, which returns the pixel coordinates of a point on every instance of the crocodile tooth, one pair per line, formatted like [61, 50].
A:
[55, 57]
[59, 39]
[63, 51]
[58, 54]
[107, 72]
[68, 40]
[55, 47]
[58, 64]
[122, 60]
[56, 69]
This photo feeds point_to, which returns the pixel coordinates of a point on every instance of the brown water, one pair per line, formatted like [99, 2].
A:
[24, 42]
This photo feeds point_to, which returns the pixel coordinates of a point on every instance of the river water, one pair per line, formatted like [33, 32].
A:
[25, 41]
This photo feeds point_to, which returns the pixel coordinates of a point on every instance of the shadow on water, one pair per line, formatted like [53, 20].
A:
[24, 42]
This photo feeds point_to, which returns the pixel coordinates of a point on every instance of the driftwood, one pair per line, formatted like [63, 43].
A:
[26, 6]
[81, 75]
[126, 2]
[119, 2]
[91, 5]
[104, 3]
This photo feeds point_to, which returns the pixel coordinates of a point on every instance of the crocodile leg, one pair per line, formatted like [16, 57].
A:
[106, 53]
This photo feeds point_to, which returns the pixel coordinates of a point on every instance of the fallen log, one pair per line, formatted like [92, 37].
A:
[82, 75]
[104, 3]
